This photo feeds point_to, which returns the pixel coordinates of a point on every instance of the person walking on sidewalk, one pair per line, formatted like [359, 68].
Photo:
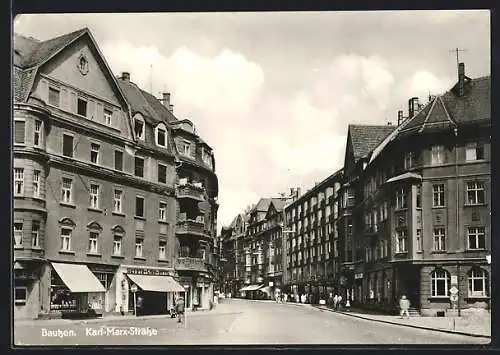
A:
[179, 309]
[335, 301]
[404, 305]
[339, 303]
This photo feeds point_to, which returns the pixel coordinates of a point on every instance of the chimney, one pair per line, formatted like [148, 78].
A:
[297, 192]
[389, 123]
[166, 99]
[171, 108]
[400, 117]
[461, 78]
[413, 107]
[125, 76]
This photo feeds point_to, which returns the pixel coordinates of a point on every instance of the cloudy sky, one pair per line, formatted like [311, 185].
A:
[273, 93]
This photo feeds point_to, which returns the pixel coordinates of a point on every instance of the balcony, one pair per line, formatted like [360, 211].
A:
[191, 191]
[190, 264]
[371, 230]
[192, 227]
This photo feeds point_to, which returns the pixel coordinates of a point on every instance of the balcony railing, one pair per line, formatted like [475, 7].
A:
[371, 229]
[191, 191]
[189, 226]
[189, 263]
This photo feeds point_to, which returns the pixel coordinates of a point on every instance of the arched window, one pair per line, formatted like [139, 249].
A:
[139, 126]
[478, 282]
[161, 135]
[440, 283]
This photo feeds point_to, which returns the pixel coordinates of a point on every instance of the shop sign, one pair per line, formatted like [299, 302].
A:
[149, 272]
[271, 284]
[454, 279]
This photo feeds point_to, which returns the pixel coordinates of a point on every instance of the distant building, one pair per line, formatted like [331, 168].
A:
[421, 206]
[111, 191]
[311, 247]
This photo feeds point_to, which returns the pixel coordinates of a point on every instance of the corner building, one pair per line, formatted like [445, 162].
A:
[97, 196]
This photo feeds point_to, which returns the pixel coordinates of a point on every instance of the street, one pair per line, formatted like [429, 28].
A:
[234, 321]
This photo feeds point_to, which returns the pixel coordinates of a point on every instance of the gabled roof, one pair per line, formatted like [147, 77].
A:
[279, 203]
[365, 138]
[262, 205]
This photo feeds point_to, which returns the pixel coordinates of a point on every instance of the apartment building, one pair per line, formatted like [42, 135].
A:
[100, 169]
[312, 240]
[422, 214]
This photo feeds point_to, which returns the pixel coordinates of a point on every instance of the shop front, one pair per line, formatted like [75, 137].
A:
[146, 291]
[26, 289]
[75, 289]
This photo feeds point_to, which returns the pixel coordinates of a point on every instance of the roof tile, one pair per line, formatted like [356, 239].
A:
[365, 138]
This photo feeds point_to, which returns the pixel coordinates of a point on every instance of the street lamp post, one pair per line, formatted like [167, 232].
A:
[133, 288]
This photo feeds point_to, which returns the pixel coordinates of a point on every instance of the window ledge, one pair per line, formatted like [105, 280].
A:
[94, 209]
[118, 214]
[70, 205]
[139, 258]
[20, 303]
[163, 261]
[36, 248]
[18, 247]
[162, 221]
[94, 254]
[419, 251]
[439, 252]
[401, 253]
[439, 298]
[140, 218]
[475, 205]
[484, 298]
[475, 250]
[117, 256]
[70, 252]
[438, 207]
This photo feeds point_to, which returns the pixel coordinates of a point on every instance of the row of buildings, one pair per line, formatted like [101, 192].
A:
[408, 213]
[114, 198]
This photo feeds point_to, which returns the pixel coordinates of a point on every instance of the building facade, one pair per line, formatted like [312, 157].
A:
[422, 211]
[312, 241]
[100, 170]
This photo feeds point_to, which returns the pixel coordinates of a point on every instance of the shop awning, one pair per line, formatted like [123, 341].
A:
[78, 278]
[156, 283]
[244, 288]
[266, 289]
[254, 287]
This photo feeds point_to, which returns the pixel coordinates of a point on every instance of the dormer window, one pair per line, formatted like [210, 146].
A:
[206, 157]
[161, 135]
[186, 148]
[139, 127]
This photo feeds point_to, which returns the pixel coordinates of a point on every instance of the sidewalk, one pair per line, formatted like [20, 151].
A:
[113, 317]
[471, 325]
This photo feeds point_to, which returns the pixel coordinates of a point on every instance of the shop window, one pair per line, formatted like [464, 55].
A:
[61, 298]
[440, 283]
[438, 195]
[478, 282]
[18, 181]
[20, 295]
[475, 193]
[476, 238]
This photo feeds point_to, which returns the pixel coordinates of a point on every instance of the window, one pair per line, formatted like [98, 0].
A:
[419, 240]
[478, 282]
[139, 128]
[19, 131]
[476, 238]
[36, 183]
[118, 160]
[163, 211]
[419, 196]
[475, 193]
[438, 195]
[162, 173]
[66, 239]
[37, 135]
[139, 243]
[108, 114]
[18, 234]
[82, 107]
[408, 160]
[93, 246]
[440, 282]
[474, 151]
[162, 248]
[68, 146]
[401, 198]
[35, 234]
[54, 97]
[160, 136]
[207, 157]
[18, 181]
[401, 241]
[20, 295]
[67, 190]
[437, 154]
[94, 196]
[94, 153]
[139, 167]
[186, 148]
[139, 206]
[103, 277]
[117, 245]
[117, 201]
[439, 239]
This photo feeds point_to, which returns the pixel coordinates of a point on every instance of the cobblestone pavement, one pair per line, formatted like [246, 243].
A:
[234, 322]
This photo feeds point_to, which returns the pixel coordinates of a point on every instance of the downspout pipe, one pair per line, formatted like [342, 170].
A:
[455, 132]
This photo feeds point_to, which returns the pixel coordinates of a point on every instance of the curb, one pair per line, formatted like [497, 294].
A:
[407, 325]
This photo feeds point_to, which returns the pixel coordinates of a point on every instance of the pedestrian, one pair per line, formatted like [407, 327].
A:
[216, 300]
[339, 303]
[286, 297]
[404, 305]
[179, 309]
[335, 301]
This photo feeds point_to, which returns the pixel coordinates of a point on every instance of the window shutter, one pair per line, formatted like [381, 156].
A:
[44, 90]
[65, 100]
[19, 129]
